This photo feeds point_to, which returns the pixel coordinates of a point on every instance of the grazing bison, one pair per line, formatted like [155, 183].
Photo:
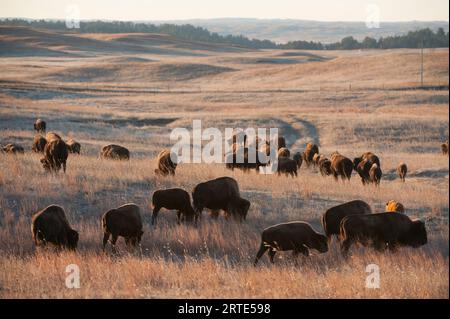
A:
[55, 155]
[284, 152]
[341, 166]
[402, 170]
[13, 149]
[220, 194]
[38, 144]
[444, 148]
[50, 225]
[363, 164]
[123, 221]
[331, 219]
[308, 153]
[375, 174]
[73, 146]
[296, 236]
[115, 152]
[394, 207]
[176, 199]
[165, 164]
[298, 159]
[325, 166]
[385, 230]
[40, 126]
[287, 166]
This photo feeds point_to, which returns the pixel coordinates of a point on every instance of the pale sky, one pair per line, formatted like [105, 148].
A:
[322, 10]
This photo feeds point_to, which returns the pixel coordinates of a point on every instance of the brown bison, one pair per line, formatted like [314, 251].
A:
[281, 142]
[363, 164]
[241, 158]
[50, 225]
[308, 153]
[123, 221]
[444, 148]
[385, 230]
[298, 158]
[394, 207]
[296, 236]
[40, 126]
[287, 166]
[115, 152]
[73, 146]
[375, 174]
[13, 149]
[284, 152]
[331, 219]
[38, 144]
[173, 199]
[325, 166]
[55, 154]
[52, 136]
[341, 166]
[166, 166]
[220, 194]
[402, 170]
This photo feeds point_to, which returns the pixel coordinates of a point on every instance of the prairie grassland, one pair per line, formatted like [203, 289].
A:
[346, 101]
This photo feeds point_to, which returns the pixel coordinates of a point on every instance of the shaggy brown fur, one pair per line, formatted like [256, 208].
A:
[375, 174]
[385, 230]
[40, 126]
[298, 158]
[73, 146]
[115, 152]
[393, 206]
[331, 219]
[165, 164]
[55, 155]
[325, 166]
[287, 166]
[50, 225]
[39, 144]
[284, 152]
[308, 153]
[296, 236]
[444, 148]
[220, 194]
[123, 221]
[341, 166]
[173, 199]
[402, 170]
[13, 149]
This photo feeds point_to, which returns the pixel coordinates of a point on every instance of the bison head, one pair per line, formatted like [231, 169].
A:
[417, 234]
[356, 162]
[320, 243]
[72, 239]
[244, 206]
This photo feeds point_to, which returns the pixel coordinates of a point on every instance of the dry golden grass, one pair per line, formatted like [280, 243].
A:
[308, 101]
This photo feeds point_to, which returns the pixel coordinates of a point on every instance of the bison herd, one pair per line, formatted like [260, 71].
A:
[352, 222]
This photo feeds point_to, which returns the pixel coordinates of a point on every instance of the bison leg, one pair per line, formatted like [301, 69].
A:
[64, 166]
[345, 246]
[105, 240]
[113, 243]
[262, 249]
[272, 253]
[178, 217]
[155, 214]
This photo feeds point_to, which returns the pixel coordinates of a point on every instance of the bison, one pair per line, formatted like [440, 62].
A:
[384, 230]
[284, 152]
[375, 174]
[50, 225]
[363, 164]
[166, 166]
[325, 166]
[73, 146]
[287, 166]
[331, 219]
[341, 166]
[220, 194]
[308, 153]
[40, 126]
[393, 206]
[115, 152]
[13, 149]
[123, 221]
[444, 148]
[55, 155]
[38, 144]
[176, 199]
[402, 170]
[296, 236]
[298, 159]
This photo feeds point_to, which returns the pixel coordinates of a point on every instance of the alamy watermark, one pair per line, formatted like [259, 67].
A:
[73, 277]
[373, 277]
[373, 16]
[234, 145]
[72, 16]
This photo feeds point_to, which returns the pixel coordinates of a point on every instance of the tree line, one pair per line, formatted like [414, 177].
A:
[413, 39]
